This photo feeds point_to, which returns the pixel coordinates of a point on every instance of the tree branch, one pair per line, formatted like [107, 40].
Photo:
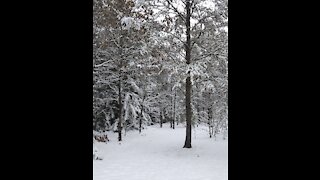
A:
[176, 10]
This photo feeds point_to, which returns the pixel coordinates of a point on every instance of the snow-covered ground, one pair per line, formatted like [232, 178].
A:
[157, 154]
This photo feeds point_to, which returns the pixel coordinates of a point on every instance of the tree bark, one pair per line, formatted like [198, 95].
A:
[187, 143]
[140, 119]
[140, 122]
[161, 118]
[174, 109]
[120, 98]
[120, 111]
[210, 122]
[171, 105]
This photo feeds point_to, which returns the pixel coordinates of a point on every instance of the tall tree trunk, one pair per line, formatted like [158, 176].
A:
[140, 119]
[161, 118]
[120, 111]
[140, 122]
[210, 117]
[187, 143]
[120, 98]
[210, 122]
[170, 123]
[171, 105]
[174, 109]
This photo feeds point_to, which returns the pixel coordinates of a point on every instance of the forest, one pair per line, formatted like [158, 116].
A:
[160, 64]
[151, 67]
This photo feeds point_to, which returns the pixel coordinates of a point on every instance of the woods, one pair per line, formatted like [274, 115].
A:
[158, 61]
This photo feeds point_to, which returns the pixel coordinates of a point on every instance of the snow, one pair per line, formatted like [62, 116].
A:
[157, 154]
[130, 22]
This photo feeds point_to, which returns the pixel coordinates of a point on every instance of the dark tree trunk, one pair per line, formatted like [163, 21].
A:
[140, 122]
[174, 109]
[120, 98]
[161, 118]
[120, 111]
[170, 118]
[210, 122]
[210, 118]
[140, 119]
[187, 143]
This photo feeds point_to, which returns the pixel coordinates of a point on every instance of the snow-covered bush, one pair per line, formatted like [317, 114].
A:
[100, 136]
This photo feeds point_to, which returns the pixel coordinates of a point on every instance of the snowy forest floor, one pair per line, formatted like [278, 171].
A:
[157, 154]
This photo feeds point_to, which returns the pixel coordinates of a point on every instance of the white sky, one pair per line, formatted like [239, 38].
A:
[180, 6]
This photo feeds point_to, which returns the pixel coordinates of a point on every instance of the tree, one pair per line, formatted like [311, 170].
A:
[207, 17]
[119, 38]
[187, 143]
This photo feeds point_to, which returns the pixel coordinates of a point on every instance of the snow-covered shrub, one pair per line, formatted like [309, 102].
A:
[100, 136]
